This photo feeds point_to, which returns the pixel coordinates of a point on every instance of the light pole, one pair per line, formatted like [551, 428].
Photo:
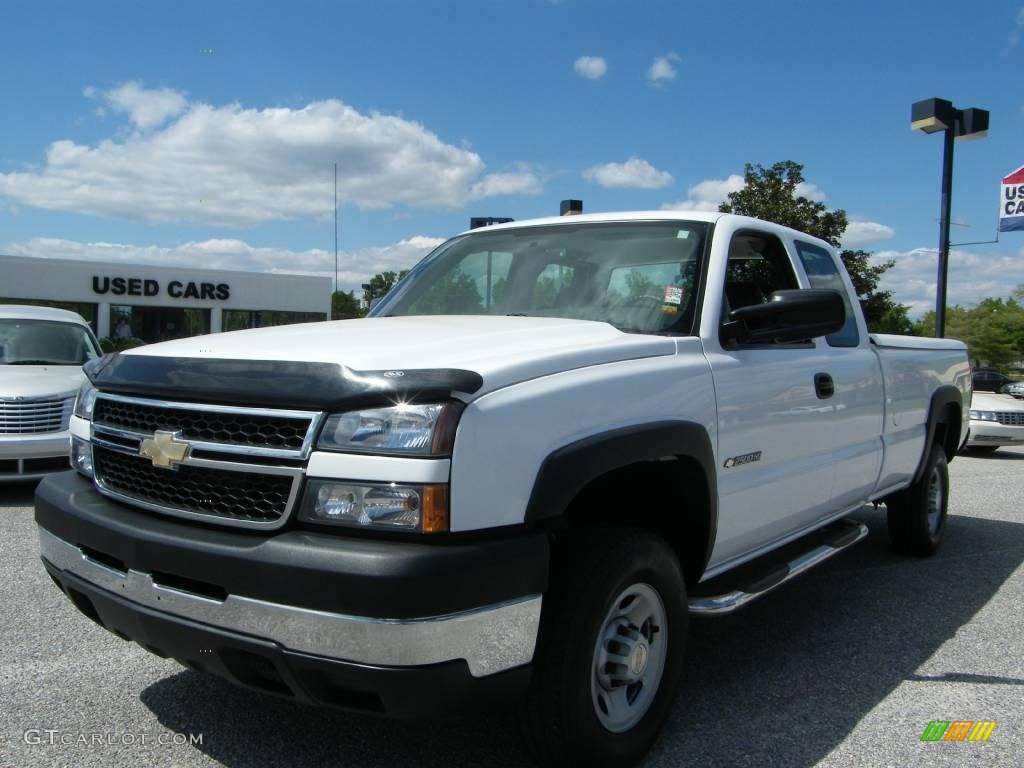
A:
[335, 227]
[932, 116]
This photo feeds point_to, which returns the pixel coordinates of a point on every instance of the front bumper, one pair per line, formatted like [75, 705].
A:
[993, 433]
[32, 456]
[303, 608]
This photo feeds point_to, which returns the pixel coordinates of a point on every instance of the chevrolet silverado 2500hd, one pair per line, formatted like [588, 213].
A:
[546, 447]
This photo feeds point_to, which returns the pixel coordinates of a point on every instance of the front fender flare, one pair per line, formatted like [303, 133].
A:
[568, 470]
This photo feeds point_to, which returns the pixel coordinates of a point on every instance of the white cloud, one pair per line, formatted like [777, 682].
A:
[860, 233]
[972, 276]
[707, 195]
[255, 165]
[810, 191]
[356, 266]
[147, 108]
[590, 67]
[1018, 28]
[663, 69]
[710, 193]
[521, 181]
[635, 172]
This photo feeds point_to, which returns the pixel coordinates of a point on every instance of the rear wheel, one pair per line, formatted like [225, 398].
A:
[917, 516]
[610, 651]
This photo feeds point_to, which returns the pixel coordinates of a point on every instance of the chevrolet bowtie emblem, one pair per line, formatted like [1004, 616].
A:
[164, 449]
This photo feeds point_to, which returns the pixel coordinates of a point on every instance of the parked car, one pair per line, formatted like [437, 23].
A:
[989, 380]
[1016, 389]
[41, 355]
[996, 420]
[514, 481]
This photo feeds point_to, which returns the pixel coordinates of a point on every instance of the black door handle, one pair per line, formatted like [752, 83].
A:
[824, 387]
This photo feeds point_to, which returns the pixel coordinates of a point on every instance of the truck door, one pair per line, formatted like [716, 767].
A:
[774, 453]
[857, 400]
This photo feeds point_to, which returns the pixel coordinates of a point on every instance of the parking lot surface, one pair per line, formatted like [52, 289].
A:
[845, 666]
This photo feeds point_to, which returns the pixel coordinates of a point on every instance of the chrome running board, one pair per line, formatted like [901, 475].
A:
[837, 537]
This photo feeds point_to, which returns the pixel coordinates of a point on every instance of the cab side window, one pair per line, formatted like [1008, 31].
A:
[758, 266]
[822, 272]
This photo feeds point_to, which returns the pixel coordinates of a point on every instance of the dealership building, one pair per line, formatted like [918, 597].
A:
[160, 303]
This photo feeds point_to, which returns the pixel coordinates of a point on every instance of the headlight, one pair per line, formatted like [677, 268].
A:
[418, 430]
[86, 400]
[385, 506]
[983, 415]
[81, 456]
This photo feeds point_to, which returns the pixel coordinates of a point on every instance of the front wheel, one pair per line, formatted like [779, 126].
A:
[917, 516]
[610, 651]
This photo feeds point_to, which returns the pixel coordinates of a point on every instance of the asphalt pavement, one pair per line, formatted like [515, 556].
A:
[845, 667]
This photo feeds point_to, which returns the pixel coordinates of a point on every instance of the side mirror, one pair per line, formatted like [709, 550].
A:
[789, 316]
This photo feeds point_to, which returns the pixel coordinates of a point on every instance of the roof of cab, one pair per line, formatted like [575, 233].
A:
[606, 217]
[29, 312]
[706, 216]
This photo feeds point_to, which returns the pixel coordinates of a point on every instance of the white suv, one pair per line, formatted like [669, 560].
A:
[41, 355]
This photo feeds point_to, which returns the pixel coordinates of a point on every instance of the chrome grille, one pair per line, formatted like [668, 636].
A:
[246, 496]
[35, 415]
[242, 466]
[227, 427]
[1010, 418]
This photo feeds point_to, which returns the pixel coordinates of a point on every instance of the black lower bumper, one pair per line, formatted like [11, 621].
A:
[309, 570]
[438, 690]
[321, 571]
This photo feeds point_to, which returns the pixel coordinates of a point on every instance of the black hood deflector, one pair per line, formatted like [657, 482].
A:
[274, 383]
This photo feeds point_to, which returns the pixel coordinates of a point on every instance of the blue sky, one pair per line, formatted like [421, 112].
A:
[118, 125]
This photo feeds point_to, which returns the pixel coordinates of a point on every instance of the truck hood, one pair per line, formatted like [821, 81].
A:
[502, 350]
[39, 380]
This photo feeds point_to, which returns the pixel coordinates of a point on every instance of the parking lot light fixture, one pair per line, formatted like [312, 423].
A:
[935, 116]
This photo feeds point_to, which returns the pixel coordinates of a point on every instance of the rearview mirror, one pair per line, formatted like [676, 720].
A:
[788, 316]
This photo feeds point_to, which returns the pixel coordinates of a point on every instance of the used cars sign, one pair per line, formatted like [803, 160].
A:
[1011, 202]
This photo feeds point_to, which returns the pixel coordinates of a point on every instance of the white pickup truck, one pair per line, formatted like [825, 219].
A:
[549, 444]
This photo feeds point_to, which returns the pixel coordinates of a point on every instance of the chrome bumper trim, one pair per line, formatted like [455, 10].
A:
[491, 639]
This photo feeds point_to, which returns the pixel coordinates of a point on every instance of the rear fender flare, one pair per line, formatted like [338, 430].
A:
[943, 397]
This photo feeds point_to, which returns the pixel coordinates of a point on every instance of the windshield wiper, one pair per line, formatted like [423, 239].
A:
[516, 314]
[37, 362]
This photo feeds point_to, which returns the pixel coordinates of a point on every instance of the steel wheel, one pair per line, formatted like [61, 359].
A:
[629, 658]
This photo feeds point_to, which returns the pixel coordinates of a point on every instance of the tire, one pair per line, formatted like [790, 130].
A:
[917, 516]
[609, 591]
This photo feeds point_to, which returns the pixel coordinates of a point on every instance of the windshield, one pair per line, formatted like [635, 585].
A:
[638, 276]
[45, 342]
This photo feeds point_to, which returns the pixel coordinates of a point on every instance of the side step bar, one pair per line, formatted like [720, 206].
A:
[837, 537]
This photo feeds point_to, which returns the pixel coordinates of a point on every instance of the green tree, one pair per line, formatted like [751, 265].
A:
[381, 283]
[993, 330]
[345, 306]
[454, 294]
[638, 284]
[771, 194]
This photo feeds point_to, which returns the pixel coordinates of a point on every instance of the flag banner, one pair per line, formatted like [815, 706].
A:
[1011, 202]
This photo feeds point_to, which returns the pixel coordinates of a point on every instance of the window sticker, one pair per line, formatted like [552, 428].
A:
[673, 295]
[682, 234]
[669, 309]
